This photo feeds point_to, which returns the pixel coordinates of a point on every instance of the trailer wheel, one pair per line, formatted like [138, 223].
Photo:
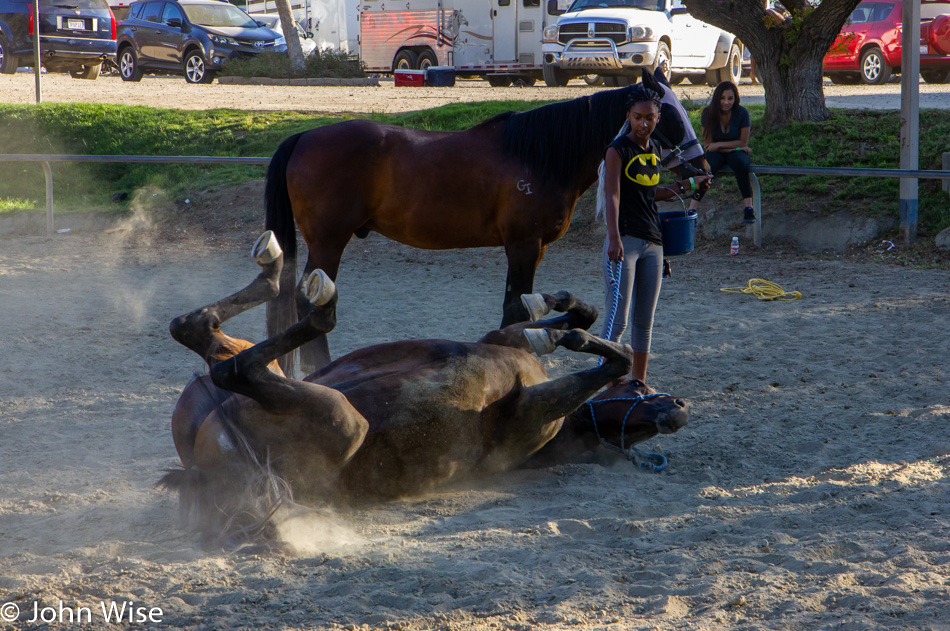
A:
[405, 60]
[427, 58]
[498, 80]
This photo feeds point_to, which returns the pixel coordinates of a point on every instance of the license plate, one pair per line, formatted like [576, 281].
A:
[76, 25]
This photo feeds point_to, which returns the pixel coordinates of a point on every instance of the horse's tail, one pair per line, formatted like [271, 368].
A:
[281, 311]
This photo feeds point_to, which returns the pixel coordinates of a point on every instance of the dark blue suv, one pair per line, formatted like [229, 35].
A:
[193, 37]
[76, 36]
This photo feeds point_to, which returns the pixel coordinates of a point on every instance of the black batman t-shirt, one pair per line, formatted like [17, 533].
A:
[639, 177]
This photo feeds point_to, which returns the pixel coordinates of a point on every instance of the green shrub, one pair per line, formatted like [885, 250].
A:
[326, 63]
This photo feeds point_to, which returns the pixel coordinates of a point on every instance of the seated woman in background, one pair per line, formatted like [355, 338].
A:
[726, 126]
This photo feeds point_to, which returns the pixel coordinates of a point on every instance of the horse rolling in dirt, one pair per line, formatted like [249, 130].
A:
[389, 420]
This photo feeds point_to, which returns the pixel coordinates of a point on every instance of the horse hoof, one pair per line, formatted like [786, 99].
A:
[536, 306]
[266, 249]
[319, 288]
[540, 341]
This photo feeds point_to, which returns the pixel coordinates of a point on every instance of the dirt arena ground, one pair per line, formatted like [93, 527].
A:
[809, 491]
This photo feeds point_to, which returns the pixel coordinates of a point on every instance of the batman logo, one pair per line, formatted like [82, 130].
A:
[641, 178]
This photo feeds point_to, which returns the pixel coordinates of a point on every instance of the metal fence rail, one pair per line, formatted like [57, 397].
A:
[756, 170]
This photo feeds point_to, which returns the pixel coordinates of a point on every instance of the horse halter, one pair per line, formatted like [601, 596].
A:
[654, 463]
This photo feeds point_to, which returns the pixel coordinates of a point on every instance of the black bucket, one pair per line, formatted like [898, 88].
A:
[679, 229]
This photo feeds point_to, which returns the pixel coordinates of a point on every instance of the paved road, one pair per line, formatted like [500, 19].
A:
[174, 92]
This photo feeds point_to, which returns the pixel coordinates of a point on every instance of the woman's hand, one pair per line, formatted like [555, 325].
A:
[703, 182]
[748, 150]
[614, 249]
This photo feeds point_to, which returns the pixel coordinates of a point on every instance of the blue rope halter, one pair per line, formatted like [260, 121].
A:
[654, 463]
[616, 269]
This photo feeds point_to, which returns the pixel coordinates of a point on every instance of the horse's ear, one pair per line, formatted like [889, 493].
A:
[650, 81]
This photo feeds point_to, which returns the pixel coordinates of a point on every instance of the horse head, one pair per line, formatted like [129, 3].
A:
[630, 412]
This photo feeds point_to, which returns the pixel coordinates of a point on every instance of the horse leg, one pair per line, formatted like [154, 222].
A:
[576, 315]
[315, 354]
[316, 424]
[535, 413]
[559, 397]
[523, 260]
[200, 330]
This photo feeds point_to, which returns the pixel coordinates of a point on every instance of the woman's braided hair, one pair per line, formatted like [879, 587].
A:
[639, 93]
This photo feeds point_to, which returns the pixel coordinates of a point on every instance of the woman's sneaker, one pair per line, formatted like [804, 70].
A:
[748, 215]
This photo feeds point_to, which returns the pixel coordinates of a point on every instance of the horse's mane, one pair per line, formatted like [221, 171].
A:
[553, 140]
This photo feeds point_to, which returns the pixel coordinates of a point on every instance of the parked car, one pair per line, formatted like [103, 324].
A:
[868, 48]
[192, 37]
[272, 21]
[75, 36]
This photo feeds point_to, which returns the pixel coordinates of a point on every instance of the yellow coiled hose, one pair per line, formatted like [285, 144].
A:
[764, 290]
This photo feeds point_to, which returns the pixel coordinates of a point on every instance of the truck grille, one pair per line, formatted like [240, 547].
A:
[602, 30]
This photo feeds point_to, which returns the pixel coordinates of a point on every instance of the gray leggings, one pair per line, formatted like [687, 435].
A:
[640, 280]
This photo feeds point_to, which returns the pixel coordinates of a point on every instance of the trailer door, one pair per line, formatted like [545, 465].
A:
[530, 25]
[505, 30]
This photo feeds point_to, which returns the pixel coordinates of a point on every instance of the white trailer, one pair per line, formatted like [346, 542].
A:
[499, 40]
[334, 23]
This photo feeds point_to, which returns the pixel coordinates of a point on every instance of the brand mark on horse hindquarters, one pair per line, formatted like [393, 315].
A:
[524, 186]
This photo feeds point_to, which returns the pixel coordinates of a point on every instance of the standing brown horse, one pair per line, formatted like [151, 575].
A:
[510, 181]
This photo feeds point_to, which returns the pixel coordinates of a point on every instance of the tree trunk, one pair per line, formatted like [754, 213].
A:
[792, 92]
[289, 27]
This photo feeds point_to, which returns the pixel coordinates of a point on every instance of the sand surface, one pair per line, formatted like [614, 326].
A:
[810, 490]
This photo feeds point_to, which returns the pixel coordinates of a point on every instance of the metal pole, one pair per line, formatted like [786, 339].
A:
[48, 172]
[37, 71]
[910, 122]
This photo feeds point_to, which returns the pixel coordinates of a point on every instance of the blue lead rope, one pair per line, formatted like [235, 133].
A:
[616, 269]
[654, 463]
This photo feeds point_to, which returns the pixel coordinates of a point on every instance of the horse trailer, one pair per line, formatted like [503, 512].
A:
[499, 40]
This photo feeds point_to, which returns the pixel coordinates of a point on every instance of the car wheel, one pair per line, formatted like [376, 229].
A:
[7, 61]
[498, 81]
[405, 60]
[677, 79]
[936, 76]
[427, 59]
[593, 80]
[196, 71]
[874, 69]
[554, 77]
[128, 65]
[845, 78]
[697, 79]
[662, 61]
[732, 71]
[87, 72]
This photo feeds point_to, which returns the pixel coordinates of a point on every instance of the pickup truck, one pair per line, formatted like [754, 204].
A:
[615, 38]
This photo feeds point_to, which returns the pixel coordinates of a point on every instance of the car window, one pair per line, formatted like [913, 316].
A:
[930, 10]
[649, 5]
[171, 11]
[78, 4]
[135, 11]
[218, 15]
[153, 12]
[870, 12]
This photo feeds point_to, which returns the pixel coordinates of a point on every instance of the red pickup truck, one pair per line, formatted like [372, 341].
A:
[868, 48]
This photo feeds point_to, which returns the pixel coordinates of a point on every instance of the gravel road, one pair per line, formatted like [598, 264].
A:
[174, 92]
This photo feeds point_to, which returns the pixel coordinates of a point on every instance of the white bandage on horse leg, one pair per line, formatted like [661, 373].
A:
[536, 306]
[319, 288]
[540, 341]
[266, 249]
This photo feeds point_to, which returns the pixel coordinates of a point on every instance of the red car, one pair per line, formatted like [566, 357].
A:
[868, 48]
